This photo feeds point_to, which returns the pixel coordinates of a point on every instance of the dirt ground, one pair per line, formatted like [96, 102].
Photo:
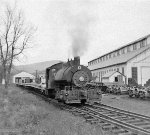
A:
[136, 105]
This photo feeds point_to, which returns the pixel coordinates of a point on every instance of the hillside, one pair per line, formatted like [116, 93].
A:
[31, 68]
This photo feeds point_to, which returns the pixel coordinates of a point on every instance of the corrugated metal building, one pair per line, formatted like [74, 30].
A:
[132, 60]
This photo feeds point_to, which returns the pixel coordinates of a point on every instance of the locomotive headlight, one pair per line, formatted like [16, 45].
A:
[81, 78]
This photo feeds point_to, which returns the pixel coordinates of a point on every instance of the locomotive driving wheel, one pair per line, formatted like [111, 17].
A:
[80, 78]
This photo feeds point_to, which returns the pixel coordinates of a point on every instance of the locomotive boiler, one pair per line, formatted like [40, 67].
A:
[70, 82]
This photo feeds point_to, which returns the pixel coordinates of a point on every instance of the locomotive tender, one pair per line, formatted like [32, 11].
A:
[70, 82]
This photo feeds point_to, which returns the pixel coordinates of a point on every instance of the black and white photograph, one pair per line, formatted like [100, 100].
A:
[74, 67]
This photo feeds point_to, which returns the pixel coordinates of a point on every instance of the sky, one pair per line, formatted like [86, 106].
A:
[88, 28]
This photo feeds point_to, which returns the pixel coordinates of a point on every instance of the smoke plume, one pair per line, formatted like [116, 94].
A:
[79, 33]
[80, 17]
[75, 17]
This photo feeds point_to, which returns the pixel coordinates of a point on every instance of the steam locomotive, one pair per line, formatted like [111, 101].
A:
[70, 82]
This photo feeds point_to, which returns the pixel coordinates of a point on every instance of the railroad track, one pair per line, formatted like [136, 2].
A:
[136, 122]
[106, 123]
[110, 119]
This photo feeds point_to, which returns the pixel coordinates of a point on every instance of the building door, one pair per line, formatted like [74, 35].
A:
[134, 74]
[145, 75]
[116, 79]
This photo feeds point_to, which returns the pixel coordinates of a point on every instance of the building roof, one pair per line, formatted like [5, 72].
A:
[119, 59]
[123, 46]
[24, 74]
[109, 74]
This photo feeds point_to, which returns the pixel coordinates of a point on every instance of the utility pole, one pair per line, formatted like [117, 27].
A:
[36, 76]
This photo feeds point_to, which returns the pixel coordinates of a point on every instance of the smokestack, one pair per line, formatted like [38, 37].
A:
[77, 60]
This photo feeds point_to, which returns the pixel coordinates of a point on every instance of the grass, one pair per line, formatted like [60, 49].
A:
[22, 113]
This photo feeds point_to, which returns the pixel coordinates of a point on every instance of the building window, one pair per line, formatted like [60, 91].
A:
[109, 55]
[117, 69]
[128, 49]
[134, 47]
[103, 58]
[114, 54]
[122, 51]
[118, 53]
[106, 57]
[142, 43]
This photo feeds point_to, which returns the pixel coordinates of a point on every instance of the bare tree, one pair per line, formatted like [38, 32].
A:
[15, 37]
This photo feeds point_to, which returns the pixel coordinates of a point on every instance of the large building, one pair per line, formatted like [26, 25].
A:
[132, 61]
